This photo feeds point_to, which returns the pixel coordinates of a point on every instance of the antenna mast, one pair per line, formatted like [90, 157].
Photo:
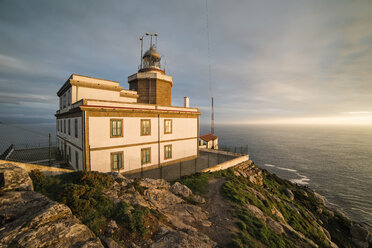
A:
[141, 39]
[212, 118]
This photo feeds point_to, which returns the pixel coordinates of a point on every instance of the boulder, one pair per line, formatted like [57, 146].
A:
[276, 226]
[178, 239]
[278, 214]
[188, 214]
[161, 198]
[13, 177]
[319, 198]
[110, 243]
[111, 227]
[177, 223]
[249, 171]
[137, 199]
[256, 212]
[276, 198]
[180, 189]
[29, 219]
[198, 199]
[257, 194]
[154, 183]
[360, 235]
[236, 173]
[289, 194]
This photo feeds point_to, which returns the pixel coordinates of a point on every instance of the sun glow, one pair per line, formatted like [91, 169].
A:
[356, 119]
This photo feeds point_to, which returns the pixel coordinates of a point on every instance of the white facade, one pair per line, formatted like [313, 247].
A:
[85, 133]
[208, 141]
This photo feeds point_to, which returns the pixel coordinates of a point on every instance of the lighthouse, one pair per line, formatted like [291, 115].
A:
[151, 83]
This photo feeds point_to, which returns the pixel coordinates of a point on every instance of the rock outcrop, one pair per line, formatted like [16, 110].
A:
[173, 215]
[14, 178]
[289, 194]
[169, 238]
[250, 171]
[29, 219]
[361, 236]
[180, 189]
[320, 198]
[181, 220]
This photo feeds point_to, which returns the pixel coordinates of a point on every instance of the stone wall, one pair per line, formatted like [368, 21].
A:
[44, 169]
[163, 93]
[226, 164]
[201, 148]
[153, 91]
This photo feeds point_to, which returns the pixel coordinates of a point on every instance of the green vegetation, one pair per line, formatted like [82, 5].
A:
[253, 232]
[197, 182]
[82, 192]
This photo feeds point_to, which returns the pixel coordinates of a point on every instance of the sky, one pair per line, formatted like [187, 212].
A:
[271, 62]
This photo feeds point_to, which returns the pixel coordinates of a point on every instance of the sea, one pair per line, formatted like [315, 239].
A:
[335, 161]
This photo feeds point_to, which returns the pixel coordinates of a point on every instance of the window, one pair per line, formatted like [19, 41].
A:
[64, 126]
[69, 97]
[69, 127]
[167, 151]
[116, 128]
[64, 100]
[57, 125]
[145, 127]
[145, 155]
[76, 160]
[69, 153]
[116, 161]
[167, 126]
[76, 128]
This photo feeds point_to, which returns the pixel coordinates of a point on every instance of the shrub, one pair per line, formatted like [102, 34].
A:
[132, 218]
[137, 186]
[81, 192]
[197, 182]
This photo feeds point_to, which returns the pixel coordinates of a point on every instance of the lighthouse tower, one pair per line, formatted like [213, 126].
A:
[151, 83]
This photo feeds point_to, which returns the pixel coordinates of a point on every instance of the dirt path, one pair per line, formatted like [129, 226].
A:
[219, 214]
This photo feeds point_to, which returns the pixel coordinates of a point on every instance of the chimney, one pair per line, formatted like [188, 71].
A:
[186, 102]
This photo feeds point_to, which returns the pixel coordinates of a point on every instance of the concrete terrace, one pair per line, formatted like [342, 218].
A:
[208, 159]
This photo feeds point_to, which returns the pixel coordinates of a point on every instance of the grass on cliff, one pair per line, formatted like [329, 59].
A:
[82, 193]
[240, 191]
[198, 182]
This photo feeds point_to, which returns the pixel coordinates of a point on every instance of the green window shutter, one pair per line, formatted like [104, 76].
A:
[120, 166]
[113, 128]
[118, 126]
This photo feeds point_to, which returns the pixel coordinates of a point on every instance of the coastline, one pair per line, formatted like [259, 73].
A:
[257, 208]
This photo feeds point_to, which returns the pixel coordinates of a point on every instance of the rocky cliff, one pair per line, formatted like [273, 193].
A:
[239, 207]
[29, 219]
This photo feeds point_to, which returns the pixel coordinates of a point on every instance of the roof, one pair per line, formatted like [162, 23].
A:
[208, 137]
[152, 53]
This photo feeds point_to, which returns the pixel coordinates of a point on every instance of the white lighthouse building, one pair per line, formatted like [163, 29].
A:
[103, 127]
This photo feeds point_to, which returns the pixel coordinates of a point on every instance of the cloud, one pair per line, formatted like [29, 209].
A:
[359, 113]
[17, 98]
[269, 59]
